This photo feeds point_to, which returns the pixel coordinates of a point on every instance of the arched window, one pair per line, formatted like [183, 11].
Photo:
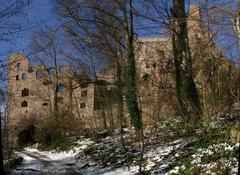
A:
[24, 104]
[25, 92]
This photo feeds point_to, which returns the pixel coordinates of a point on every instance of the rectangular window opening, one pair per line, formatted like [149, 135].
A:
[82, 105]
[39, 73]
[18, 65]
[84, 93]
[25, 92]
[24, 76]
[61, 88]
[45, 104]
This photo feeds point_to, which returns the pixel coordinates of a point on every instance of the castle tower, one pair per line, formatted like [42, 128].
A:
[194, 21]
[18, 90]
[31, 94]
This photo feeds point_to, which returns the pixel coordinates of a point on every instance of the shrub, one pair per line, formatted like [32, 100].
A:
[26, 136]
[50, 139]
[44, 137]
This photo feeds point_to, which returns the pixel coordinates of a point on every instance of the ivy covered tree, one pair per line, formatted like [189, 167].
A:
[187, 93]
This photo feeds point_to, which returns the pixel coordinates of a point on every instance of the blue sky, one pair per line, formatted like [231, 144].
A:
[40, 14]
[37, 15]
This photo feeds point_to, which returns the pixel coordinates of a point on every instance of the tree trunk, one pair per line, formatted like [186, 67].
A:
[131, 88]
[1, 147]
[187, 93]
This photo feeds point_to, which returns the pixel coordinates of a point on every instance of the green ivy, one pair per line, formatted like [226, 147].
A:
[26, 136]
[130, 93]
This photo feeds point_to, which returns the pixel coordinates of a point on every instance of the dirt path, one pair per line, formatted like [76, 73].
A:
[36, 163]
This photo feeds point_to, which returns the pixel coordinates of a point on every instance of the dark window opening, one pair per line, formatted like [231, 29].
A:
[59, 99]
[18, 65]
[169, 64]
[60, 88]
[25, 92]
[161, 54]
[84, 85]
[39, 73]
[26, 111]
[145, 77]
[51, 71]
[24, 76]
[84, 93]
[82, 105]
[24, 104]
[17, 77]
[45, 104]
[47, 82]
[154, 65]
[147, 65]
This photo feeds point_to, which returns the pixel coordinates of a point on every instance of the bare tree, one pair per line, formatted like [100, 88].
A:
[109, 28]
[47, 47]
[1, 145]
[8, 10]
[186, 87]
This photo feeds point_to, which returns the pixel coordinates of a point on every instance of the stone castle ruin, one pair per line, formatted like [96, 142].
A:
[85, 104]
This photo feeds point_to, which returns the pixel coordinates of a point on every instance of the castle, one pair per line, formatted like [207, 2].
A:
[87, 104]
[33, 92]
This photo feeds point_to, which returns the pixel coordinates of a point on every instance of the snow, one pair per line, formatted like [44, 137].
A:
[54, 162]
[123, 171]
[158, 157]
[66, 155]
[211, 151]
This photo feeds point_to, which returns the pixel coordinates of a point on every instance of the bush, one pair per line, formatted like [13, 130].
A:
[50, 139]
[26, 136]
[45, 137]
[213, 131]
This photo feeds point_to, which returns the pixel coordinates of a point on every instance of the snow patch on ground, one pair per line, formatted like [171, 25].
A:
[52, 162]
[123, 171]
[62, 155]
[157, 157]
[197, 159]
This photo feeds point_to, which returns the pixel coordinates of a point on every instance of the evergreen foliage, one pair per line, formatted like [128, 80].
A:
[26, 136]
[44, 137]
[131, 95]
[187, 93]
